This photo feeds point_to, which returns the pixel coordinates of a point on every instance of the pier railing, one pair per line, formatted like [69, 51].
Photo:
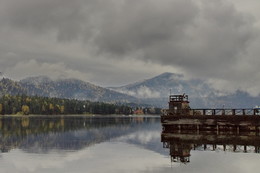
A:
[168, 112]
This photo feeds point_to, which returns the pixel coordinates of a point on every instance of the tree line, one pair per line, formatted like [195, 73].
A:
[22, 104]
[25, 105]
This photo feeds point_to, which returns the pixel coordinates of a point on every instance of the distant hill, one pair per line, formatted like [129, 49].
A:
[63, 88]
[153, 91]
[156, 90]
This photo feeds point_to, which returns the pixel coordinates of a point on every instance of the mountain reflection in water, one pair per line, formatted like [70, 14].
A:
[115, 144]
[40, 134]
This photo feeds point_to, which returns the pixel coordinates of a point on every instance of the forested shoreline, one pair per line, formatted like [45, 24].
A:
[25, 105]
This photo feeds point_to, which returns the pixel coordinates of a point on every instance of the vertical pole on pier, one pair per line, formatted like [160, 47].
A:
[198, 129]
[238, 130]
[217, 129]
[179, 126]
[257, 130]
[245, 149]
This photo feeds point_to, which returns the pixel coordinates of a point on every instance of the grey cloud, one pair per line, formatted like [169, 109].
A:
[115, 26]
[138, 25]
[179, 32]
[43, 16]
[209, 39]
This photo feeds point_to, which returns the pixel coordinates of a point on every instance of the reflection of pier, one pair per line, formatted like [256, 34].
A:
[180, 144]
[178, 152]
[180, 117]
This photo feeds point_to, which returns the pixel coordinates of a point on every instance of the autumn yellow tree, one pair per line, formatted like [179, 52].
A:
[25, 109]
[28, 100]
[51, 108]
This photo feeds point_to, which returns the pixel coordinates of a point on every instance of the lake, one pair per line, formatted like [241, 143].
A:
[114, 144]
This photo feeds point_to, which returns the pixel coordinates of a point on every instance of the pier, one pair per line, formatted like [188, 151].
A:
[180, 117]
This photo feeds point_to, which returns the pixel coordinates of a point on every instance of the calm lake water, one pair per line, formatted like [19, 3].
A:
[118, 145]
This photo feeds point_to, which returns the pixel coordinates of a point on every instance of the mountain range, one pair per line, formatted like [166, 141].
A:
[157, 89]
[153, 91]
[62, 88]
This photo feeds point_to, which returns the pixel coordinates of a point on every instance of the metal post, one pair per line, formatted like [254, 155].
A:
[256, 130]
[245, 150]
[233, 111]
[235, 148]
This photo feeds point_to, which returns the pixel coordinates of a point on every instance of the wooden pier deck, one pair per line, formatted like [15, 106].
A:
[211, 123]
[180, 117]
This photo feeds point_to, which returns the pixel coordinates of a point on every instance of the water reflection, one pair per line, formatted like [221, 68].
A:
[41, 134]
[182, 143]
[118, 144]
[80, 144]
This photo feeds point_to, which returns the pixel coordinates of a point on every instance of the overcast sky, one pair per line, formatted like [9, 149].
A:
[116, 42]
